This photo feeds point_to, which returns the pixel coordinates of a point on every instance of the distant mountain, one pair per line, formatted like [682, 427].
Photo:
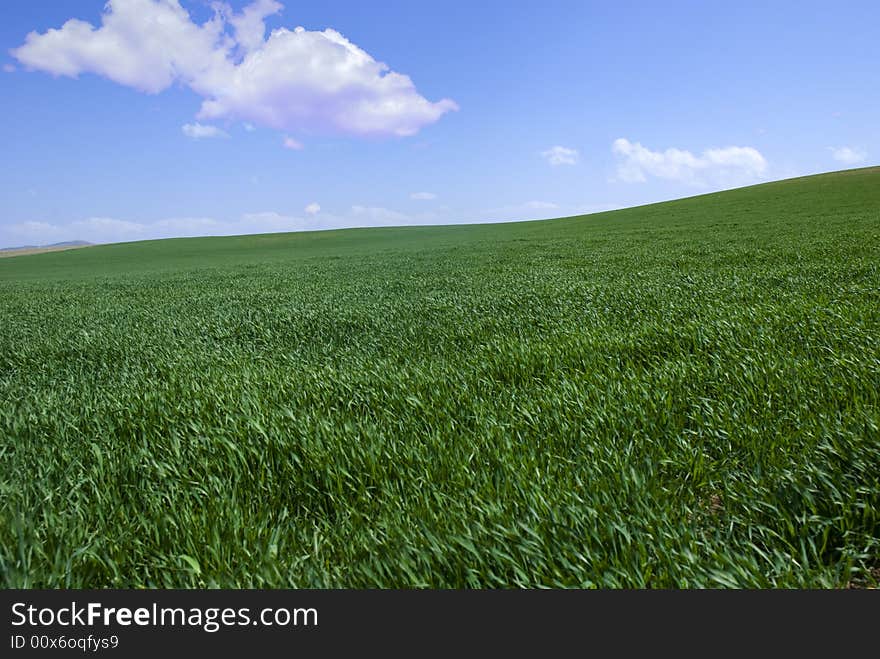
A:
[69, 243]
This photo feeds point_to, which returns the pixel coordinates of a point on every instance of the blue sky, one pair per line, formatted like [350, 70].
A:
[166, 118]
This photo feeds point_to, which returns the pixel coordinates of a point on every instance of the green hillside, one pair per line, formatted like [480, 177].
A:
[685, 394]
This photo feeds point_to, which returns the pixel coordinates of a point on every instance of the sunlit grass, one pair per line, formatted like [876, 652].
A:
[681, 395]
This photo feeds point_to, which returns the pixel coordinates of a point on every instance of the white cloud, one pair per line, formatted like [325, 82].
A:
[31, 233]
[529, 210]
[250, 127]
[105, 230]
[198, 131]
[848, 155]
[180, 226]
[250, 26]
[9, 68]
[588, 209]
[266, 222]
[94, 229]
[108, 230]
[292, 144]
[378, 215]
[560, 155]
[717, 166]
[423, 196]
[145, 44]
[535, 210]
[299, 81]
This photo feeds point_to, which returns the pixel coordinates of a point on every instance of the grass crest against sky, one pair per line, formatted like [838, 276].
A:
[142, 119]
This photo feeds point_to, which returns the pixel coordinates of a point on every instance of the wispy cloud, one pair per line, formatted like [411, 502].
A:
[560, 155]
[537, 210]
[299, 81]
[199, 131]
[8, 68]
[529, 210]
[313, 218]
[108, 230]
[848, 155]
[292, 144]
[636, 163]
[423, 196]
[378, 215]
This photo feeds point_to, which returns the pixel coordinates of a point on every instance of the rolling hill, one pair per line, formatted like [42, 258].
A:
[685, 394]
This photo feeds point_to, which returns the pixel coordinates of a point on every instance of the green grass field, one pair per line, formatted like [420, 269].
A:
[679, 395]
